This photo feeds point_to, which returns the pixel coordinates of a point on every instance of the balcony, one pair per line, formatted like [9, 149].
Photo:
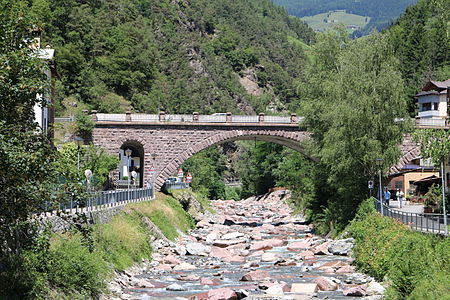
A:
[432, 122]
[429, 114]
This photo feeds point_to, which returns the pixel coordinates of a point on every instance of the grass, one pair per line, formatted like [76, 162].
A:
[318, 23]
[408, 260]
[76, 266]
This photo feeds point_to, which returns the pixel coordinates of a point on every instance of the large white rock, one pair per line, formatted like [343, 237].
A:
[374, 288]
[341, 247]
[197, 249]
[175, 287]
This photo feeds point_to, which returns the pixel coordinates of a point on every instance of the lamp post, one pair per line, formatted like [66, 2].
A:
[444, 211]
[379, 162]
[79, 141]
[128, 155]
[153, 172]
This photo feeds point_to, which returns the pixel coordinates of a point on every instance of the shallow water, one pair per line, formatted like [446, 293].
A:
[229, 274]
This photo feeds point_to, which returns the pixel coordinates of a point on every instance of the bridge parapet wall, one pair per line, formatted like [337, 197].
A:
[196, 118]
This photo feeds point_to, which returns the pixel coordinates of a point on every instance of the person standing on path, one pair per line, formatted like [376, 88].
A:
[386, 196]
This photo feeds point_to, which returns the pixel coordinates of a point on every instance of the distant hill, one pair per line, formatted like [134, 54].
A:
[381, 12]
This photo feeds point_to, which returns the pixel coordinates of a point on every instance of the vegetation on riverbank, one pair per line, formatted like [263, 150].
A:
[76, 264]
[415, 265]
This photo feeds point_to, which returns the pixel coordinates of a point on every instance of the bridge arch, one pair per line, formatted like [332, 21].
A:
[282, 138]
[133, 163]
[163, 143]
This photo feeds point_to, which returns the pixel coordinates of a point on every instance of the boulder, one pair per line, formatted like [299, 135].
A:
[232, 235]
[219, 252]
[171, 260]
[321, 249]
[234, 258]
[163, 267]
[144, 284]
[326, 284]
[298, 246]
[222, 294]
[176, 288]
[197, 249]
[180, 250]
[358, 291]
[266, 244]
[213, 235]
[269, 257]
[209, 281]
[255, 275]
[374, 288]
[345, 269]
[227, 243]
[341, 247]
[191, 277]
[184, 267]
[304, 288]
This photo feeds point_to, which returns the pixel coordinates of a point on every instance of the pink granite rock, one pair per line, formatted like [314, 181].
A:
[266, 244]
[326, 284]
[298, 246]
[358, 291]
[255, 275]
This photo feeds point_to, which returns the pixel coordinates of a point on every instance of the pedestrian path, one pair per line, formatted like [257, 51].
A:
[407, 207]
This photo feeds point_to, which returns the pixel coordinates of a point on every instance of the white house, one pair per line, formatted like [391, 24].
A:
[434, 104]
[44, 114]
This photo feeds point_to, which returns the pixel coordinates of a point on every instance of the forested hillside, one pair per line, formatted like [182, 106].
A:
[421, 41]
[179, 56]
[382, 12]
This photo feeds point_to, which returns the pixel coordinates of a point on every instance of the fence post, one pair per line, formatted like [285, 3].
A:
[162, 116]
[228, 117]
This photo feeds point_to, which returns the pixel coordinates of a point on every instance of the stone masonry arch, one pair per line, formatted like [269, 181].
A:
[166, 145]
[292, 141]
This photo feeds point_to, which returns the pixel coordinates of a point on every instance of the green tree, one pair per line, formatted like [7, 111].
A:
[353, 96]
[435, 144]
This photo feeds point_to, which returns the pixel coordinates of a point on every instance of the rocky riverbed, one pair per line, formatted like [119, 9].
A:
[252, 249]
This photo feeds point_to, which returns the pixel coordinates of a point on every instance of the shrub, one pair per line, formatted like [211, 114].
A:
[387, 249]
[72, 267]
[122, 241]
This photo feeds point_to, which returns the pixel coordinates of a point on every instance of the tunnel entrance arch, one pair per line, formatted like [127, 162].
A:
[131, 162]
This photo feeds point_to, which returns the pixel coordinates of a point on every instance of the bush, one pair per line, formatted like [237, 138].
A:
[72, 267]
[387, 249]
[123, 241]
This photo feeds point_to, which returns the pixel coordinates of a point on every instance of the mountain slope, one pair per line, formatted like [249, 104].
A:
[382, 12]
[181, 56]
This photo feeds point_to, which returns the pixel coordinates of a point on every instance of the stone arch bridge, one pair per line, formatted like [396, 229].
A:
[160, 143]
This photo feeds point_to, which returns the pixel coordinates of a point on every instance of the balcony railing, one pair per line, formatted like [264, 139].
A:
[432, 122]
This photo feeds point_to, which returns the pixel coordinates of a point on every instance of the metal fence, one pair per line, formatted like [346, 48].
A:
[102, 199]
[423, 222]
[175, 186]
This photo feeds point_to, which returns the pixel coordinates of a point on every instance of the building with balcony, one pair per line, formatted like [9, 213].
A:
[434, 104]
[44, 111]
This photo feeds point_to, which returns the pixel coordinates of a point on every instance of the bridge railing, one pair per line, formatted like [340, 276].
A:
[423, 222]
[195, 117]
[101, 200]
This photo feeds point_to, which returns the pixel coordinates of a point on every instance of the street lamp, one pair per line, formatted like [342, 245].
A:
[153, 170]
[379, 162]
[128, 155]
[79, 141]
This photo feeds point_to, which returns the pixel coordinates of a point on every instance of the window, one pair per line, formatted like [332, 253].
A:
[399, 185]
[429, 106]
